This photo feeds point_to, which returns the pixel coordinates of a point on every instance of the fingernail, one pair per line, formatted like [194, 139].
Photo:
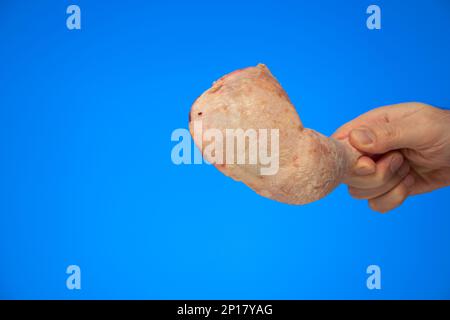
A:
[363, 136]
[396, 162]
[409, 181]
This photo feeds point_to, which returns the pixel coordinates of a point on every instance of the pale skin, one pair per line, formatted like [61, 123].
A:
[406, 151]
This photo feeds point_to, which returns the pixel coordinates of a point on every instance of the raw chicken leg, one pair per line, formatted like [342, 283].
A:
[310, 164]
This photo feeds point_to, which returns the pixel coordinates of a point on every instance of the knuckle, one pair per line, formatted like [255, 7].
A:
[385, 137]
[386, 133]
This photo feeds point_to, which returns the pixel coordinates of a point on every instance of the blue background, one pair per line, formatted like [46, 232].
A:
[86, 176]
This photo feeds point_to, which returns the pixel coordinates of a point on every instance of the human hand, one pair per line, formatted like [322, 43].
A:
[406, 151]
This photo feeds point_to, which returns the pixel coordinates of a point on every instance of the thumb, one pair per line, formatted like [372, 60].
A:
[383, 137]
